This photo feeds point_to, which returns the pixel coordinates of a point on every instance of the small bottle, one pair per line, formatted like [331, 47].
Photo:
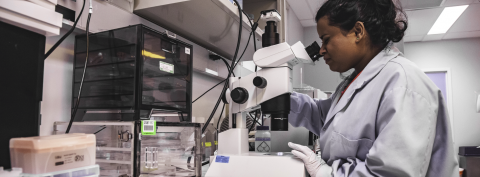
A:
[262, 139]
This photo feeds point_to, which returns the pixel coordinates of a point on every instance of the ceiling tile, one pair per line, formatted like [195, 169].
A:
[413, 38]
[307, 23]
[420, 21]
[468, 21]
[315, 5]
[449, 3]
[433, 37]
[420, 4]
[301, 9]
[469, 34]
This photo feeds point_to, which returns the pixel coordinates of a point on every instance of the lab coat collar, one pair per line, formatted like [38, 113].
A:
[369, 72]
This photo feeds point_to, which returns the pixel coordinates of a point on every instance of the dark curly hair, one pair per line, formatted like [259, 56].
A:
[384, 20]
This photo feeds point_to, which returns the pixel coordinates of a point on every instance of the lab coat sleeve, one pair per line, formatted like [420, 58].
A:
[405, 133]
[308, 112]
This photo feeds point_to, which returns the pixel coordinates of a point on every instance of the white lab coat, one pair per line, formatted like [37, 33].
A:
[391, 121]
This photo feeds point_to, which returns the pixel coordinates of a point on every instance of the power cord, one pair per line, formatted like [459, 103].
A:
[228, 67]
[74, 112]
[254, 26]
[220, 118]
[231, 68]
[66, 34]
[209, 90]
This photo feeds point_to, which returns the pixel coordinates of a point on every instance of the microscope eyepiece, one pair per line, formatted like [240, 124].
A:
[313, 51]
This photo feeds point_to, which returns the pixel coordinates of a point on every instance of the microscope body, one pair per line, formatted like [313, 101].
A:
[267, 89]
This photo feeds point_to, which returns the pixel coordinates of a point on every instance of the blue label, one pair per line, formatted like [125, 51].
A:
[222, 159]
[262, 139]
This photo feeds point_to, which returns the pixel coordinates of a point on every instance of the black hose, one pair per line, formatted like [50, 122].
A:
[220, 118]
[66, 34]
[231, 68]
[254, 27]
[74, 112]
[209, 90]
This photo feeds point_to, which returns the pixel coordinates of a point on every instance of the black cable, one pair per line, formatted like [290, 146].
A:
[220, 118]
[253, 31]
[225, 61]
[74, 112]
[255, 121]
[254, 27]
[231, 68]
[245, 49]
[226, 64]
[104, 127]
[254, 42]
[66, 34]
[209, 90]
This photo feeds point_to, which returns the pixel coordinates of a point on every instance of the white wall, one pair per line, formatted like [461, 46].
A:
[57, 83]
[294, 27]
[294, 33]
[462, 56]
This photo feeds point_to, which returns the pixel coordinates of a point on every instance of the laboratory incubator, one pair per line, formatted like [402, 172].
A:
[144, 148]
[132, 72]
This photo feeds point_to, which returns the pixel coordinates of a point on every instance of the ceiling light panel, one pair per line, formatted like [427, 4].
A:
[446, 19]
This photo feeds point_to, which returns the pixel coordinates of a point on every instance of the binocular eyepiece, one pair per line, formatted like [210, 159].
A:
[313, 51]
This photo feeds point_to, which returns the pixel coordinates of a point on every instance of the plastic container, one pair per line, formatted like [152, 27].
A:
[14, 172]
[262, 139]
[88, 171]
[44, 154]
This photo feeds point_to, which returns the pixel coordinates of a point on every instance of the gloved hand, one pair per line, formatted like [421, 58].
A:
[316, 167]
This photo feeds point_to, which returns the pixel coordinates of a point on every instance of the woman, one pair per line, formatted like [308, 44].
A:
[387, 118]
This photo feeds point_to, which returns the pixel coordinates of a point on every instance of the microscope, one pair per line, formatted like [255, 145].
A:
[269, 90]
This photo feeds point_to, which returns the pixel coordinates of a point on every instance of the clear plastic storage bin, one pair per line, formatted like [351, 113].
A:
[44, 154]
[89, 171]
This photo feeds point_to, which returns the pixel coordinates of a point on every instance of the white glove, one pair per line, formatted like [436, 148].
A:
[316, 167]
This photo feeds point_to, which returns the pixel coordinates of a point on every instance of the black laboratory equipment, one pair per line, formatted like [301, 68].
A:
[131, 73]
[22, 54]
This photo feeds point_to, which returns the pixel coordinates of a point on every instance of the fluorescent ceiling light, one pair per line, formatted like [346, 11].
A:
[446, 19]
[211, 71]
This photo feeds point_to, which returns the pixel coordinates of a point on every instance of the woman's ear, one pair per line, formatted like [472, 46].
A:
[360, 31]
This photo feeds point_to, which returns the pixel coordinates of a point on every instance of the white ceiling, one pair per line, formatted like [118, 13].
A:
[422, 14]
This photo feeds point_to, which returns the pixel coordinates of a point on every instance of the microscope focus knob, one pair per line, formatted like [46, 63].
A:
[260, 82]
[239, 95]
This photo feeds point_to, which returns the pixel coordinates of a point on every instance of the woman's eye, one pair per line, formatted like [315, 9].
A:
[325, 41]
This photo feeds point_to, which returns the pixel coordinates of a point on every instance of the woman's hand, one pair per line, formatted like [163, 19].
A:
[316, 166]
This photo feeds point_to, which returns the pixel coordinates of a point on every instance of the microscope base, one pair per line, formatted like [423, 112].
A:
[256, 165]
[233, 142]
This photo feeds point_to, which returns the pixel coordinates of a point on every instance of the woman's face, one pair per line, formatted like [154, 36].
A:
[339, 48]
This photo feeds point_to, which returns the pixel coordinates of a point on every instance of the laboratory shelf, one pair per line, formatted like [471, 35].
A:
[113, 149]
[212, 24]
[98, 80]
[108, 48]
[113, 161]
[103, 64]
